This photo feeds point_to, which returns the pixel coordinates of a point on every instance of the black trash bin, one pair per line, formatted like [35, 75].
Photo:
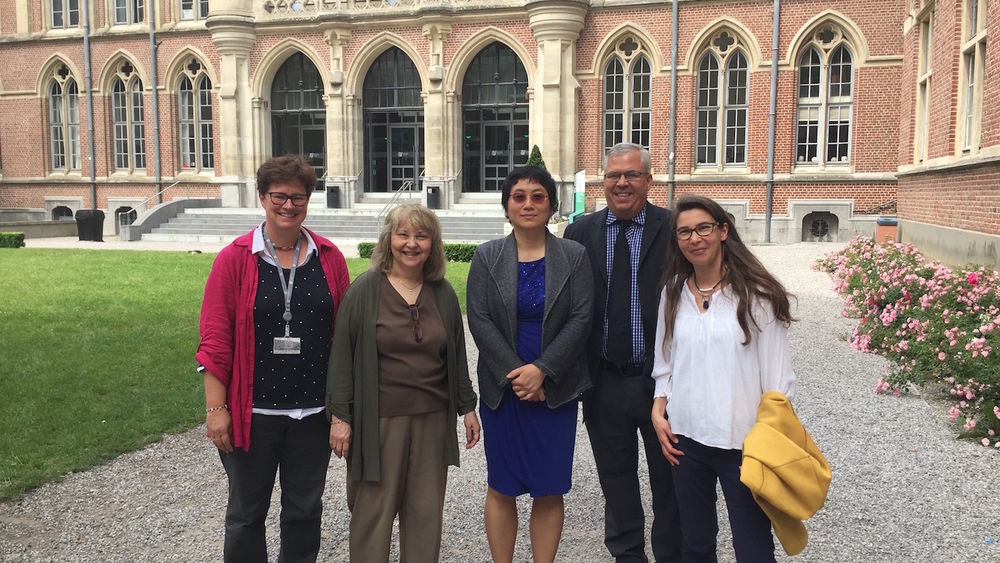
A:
[333, 197]
[433, 197]
[90, 224]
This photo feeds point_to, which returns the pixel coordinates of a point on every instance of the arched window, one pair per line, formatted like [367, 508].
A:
[128, 121]
[825, 102]
[194, 110]
[627, 95]
[722, 105]
[298, 114]
[494, 118]
[64, 122]
[394, 123]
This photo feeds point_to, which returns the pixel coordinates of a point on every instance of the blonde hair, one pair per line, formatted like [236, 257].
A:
[419, 217]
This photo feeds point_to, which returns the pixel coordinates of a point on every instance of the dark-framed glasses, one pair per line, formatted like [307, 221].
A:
[279, 199]
[418, 331]
[537, 198]
[703, 230]
[630, 176]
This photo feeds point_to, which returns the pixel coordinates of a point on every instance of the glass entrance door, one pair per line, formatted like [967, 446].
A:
[402, 167]
[314, 148]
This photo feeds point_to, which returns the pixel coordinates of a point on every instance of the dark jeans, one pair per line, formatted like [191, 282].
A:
[617, 408]
[301, 448]
[694, 480]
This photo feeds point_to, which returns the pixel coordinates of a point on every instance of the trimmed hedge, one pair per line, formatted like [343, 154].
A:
[454, 252]
[11, 240]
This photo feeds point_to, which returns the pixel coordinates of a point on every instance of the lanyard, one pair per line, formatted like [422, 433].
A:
[286, 287]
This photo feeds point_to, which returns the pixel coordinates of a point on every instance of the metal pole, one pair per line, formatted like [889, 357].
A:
[673, 104]
[156, 103]
[769, 202]
[90, 103]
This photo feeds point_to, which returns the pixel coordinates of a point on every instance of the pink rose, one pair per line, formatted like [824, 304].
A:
[941, 356]
[986, 442]
[973, 278]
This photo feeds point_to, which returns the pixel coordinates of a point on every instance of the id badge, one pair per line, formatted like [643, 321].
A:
[287, 345]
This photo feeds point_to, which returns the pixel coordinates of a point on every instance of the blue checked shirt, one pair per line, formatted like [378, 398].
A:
[635, 246]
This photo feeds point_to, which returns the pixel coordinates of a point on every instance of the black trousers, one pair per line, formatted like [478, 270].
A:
[618, 407]
[301, 449]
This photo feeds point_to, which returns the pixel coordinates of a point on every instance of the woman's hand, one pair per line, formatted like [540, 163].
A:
[220, 429]
[472, 429]
[340, 437]
[663, 433]
[526, 381]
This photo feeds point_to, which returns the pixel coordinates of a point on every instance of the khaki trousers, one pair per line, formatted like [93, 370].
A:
[413, 478]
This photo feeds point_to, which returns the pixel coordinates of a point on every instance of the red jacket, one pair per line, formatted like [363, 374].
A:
[227, 336]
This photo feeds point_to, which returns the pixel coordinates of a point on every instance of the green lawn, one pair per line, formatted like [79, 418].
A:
[97, 355]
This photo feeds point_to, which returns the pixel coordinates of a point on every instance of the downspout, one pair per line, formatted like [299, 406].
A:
[156, 104]
[90, 103]
[673, 104]
[772, 116]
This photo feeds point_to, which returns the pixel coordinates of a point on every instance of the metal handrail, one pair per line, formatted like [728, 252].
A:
[143, 203]
[406, 186]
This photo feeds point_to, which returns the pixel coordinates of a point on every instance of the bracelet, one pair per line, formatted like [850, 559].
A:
[218, 408]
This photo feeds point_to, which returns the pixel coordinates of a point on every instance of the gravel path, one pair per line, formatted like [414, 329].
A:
[903, 489]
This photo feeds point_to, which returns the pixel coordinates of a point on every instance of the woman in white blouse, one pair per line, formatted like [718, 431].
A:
[721, 342]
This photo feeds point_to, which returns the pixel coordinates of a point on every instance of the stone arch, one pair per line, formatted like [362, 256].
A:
[176, 68]
[746, 41]
[362, 62]
[852, 35]
[607, 48]
[48, 70]
[271, 62]
[110, 71]
[473, 45]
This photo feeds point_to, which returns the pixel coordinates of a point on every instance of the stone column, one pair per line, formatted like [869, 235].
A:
[340, 175]
[556, 25]
[435, 167]
[231, 25]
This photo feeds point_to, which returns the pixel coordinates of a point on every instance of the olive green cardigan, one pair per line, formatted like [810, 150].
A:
[352, 377]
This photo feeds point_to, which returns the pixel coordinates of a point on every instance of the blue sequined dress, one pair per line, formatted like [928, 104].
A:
[529, 447]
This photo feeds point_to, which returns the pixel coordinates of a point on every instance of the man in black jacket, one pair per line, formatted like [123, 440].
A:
[627, 272]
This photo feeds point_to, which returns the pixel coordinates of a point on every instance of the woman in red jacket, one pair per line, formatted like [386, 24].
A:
[266, 328]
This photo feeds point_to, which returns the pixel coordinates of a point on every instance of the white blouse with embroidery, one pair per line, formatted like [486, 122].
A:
[712, 382]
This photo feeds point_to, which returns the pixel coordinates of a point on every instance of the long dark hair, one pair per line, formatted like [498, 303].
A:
[748, 279]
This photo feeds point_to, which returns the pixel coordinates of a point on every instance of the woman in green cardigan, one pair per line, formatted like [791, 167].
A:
[398, 378]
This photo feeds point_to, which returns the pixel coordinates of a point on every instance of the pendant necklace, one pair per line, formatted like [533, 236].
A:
[705, 293]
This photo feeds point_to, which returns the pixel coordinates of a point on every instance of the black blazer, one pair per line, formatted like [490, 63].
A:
[591, 231]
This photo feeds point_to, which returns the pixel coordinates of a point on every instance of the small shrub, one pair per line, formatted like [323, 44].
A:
[11, 240]
[365, 249]
[454, 252]
[459, 252]
[535, 158]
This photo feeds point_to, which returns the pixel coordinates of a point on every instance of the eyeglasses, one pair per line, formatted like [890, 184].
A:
[537, 198]
[630, 176]
[279, 199]
[418, 331]
[703, 230]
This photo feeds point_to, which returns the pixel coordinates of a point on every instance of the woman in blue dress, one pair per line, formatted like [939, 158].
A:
[530, 304]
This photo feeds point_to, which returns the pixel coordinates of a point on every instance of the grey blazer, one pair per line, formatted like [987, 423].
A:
[491, 295]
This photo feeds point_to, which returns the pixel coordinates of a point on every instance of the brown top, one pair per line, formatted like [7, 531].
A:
[412, 375]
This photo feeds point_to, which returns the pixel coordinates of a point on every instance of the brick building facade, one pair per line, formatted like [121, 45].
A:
[949, 150]
[447, 95]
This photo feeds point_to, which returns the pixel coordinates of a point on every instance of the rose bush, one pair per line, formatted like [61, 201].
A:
[932, 323]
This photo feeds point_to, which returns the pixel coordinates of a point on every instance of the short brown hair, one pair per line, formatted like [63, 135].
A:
[419, 217]
[287, 168]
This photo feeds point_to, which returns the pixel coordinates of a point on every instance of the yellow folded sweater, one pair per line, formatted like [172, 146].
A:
[784, 470]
